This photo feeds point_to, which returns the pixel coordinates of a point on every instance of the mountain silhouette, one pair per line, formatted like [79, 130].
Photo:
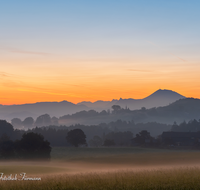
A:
[157, 99]
[34, 110]
[99, 105]
[181, 110]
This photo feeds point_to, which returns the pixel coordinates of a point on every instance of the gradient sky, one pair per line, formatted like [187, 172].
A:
[87, 50]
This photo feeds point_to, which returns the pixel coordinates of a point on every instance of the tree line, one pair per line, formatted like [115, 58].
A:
[46, 120]
[23, 144]
[37, 142]
[56, 135]
[184, 109]
[190, 126]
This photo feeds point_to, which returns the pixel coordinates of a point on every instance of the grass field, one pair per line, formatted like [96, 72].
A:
[108, 168]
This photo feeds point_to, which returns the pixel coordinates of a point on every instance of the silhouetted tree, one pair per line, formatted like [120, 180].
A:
[103, 113]
[143, 109]
[54, 121]
[33, 146]
[6, 128]
[54, 134]
[28, 122]
[7, 148]
[116, 108]
[143, 137]
[76, 137]
[16, 122]
[43, 120]
[175, 127]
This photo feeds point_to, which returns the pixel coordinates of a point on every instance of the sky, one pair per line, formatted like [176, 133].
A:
[90, 50]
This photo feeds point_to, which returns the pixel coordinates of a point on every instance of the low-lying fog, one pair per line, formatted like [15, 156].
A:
[130, 162]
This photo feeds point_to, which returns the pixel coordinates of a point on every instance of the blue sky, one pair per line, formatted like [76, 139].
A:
[166, 22]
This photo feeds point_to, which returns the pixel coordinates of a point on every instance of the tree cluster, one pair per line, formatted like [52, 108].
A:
[30, 146]
[191, 126]
[76, 137]
[29, 122]
[144, 138]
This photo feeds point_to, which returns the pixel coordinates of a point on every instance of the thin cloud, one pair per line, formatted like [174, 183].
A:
[51, 93]
[3, 74]
[15, 50]
[136, 70]
[8, 75]
[167, 51]
[177, 57]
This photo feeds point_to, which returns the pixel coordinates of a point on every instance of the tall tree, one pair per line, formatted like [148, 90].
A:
[6, 147]
[116, 108]
[43, 120]
[17, 123]
[33, 146]
[6, 128]
[28, 122]
[143, 137]
[76, 137]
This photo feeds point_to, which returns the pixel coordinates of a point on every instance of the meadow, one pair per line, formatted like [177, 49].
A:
[107, 168]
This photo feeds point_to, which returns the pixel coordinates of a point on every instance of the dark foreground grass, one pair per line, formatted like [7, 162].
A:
[130, 156]
[67, 153]
[108, 168]
[181, 178]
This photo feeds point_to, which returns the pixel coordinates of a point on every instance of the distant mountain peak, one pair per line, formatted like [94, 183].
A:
[166, 92]
[114, 100]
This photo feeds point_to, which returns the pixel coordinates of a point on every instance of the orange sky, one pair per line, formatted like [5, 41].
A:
[97, 50]
[96, 79]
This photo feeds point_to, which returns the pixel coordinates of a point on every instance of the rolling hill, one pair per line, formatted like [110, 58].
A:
[157, 99]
